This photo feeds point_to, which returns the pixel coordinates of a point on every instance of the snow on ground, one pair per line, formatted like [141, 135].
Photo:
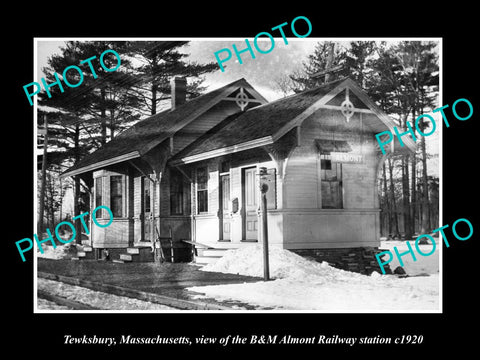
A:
[423, 265]
[49, 305]
[60, 252]
[301, 284]
[96, 299]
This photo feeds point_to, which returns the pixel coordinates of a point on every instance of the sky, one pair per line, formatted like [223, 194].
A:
[283, 59]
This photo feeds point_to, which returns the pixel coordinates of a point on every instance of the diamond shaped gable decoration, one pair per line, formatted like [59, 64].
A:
[241, 99]
[347, 106]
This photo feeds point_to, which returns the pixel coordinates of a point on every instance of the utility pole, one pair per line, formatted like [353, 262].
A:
[44, 178]
[263, 207]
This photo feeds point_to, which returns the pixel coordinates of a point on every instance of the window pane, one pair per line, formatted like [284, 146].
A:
[226, 192]
[146, 194]
[202, 200]
[116, 185]
[250, 187]
[326, 164]
[98, 196]
[116, 195]
[176, 193]
[331, 180]
[202, 178]
[202, 190]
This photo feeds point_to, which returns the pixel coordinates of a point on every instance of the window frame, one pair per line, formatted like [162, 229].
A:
[120, 194]
[99, 189]
[176, 193]
[201, 190]
[331, 166]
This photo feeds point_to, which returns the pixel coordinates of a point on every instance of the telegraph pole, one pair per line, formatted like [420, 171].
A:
[263, 207]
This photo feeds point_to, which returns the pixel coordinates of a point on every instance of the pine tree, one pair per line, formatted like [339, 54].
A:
[419, 70]
[160, 61]
[326, 55]
[102, 100]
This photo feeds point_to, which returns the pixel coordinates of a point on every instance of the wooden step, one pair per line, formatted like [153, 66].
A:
[137, 254]
[126, 257]
[214, 252]
[210, 255]
[204, 260]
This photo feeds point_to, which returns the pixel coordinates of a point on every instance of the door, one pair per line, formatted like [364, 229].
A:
[225, 207]
[250, 200]
[146, 210]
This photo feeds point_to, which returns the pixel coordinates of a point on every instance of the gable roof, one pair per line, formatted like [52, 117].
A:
[150, 132]
[266, 123]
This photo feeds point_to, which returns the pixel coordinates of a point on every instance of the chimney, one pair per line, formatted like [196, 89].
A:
[178, 91]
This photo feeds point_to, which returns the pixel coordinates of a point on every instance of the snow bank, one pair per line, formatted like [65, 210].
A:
[60, 252]
[424, 264]
[302, 284]
[282, 263]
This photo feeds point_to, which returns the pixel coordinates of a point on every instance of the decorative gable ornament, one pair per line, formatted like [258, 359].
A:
[241, 99]
[347, 106]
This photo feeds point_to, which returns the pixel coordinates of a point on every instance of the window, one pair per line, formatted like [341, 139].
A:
[331, 183]
[202, 190]
[326, 164]
[116, 198]
[176, 193]
[98, 196]
[146, 194]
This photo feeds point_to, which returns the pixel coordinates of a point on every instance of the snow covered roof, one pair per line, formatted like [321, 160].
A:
[265, 124]
[150, 132]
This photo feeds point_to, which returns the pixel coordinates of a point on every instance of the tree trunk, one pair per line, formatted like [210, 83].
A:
[112, 123]
[387, 207]
[426, 225]
[103, 117]
[393, 202]
[328, 65]
[49, 209]
[44, 179]
[62, 193]
[154, 99]
[413, 185]
[76, 187]
[406, 198]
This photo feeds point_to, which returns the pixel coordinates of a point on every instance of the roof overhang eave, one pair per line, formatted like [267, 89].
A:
[100, 164]
[267, 140]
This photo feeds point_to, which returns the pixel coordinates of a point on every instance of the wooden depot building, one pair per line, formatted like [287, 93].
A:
[186, 179]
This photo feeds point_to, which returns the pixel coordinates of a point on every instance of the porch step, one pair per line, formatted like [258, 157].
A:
[119, 261]
[85, 252]
[126, 257]
[136, 254]
[213, 252]
[210, 255]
